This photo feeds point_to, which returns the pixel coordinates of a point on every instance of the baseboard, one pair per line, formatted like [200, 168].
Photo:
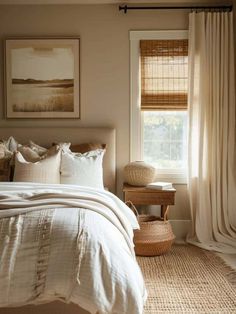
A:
[180, 229]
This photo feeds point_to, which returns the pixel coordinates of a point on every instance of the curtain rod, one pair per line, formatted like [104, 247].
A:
[125, 8]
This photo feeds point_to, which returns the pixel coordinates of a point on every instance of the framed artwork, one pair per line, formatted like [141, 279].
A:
[42, 78]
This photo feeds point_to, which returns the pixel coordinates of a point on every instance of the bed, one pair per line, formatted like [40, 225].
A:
[70, 243]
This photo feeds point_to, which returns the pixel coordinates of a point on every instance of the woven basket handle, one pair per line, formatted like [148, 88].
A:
[166, 213]
[132, 207]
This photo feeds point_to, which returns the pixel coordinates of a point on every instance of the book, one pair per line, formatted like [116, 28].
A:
[160, 185]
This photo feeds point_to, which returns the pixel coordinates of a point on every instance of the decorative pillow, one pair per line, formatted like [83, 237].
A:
[65, 147]
[5, 169]
[28, 153]
[2, 152]
[83, 169]
[33, 155]
[46, 170]
[37, 148]
[6, 158]
[10, 144]
[86, 147]
[5, 152]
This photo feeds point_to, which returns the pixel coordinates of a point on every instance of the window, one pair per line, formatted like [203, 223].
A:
[164, 139]
[160, 61]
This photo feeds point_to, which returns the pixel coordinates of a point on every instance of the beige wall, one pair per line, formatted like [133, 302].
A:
[104, 33]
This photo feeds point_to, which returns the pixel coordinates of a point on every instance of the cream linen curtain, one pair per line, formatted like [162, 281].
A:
[212, 167]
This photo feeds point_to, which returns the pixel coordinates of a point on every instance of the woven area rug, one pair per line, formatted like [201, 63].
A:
[188, 280]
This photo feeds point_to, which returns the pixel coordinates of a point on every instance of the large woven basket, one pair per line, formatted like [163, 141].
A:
[155, 236]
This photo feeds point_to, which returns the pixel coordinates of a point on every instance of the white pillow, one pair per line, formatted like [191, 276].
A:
[65, 147]
[46, 170]
[11, 144]
[83, 169]
[8, 147]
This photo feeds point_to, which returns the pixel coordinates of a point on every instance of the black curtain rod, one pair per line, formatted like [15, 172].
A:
[125, 8]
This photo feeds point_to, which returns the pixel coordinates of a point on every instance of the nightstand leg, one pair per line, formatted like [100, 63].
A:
[164, 208]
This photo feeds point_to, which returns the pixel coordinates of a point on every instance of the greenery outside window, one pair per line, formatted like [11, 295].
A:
[165, 139]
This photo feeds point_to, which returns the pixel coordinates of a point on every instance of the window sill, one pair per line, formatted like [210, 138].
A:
[175, 178]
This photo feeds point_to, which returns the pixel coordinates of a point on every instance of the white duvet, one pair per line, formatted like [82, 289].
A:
[70, 243]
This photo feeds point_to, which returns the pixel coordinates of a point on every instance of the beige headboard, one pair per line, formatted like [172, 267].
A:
[47, 135]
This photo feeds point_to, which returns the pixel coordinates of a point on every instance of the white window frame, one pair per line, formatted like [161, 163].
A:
[136, 117]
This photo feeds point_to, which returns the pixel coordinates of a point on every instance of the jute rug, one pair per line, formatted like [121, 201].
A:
[188, 280]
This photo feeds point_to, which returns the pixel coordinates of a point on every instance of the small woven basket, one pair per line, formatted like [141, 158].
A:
[155, 236]
[139, 173]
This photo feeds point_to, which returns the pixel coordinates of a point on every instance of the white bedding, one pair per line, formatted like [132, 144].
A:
[69, 243]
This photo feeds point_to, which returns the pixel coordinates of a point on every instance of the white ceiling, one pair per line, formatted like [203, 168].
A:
[163, 2]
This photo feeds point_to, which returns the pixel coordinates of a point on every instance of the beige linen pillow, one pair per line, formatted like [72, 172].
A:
[46, 170]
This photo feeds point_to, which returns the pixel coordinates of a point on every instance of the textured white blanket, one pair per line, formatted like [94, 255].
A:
[69, 243]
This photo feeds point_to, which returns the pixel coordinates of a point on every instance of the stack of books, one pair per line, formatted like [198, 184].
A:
[160, 186]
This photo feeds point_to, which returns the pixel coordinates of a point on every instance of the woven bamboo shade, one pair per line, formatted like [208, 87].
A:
[164, 74]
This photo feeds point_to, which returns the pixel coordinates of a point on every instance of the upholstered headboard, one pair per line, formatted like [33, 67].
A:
[47, 135]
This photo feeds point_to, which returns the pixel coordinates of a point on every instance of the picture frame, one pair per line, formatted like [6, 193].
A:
[42, 77]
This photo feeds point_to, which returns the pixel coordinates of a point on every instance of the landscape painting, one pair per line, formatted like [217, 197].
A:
[42, 78]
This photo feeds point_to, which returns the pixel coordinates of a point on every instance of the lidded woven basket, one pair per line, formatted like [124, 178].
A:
[155, 236]
[139, 173]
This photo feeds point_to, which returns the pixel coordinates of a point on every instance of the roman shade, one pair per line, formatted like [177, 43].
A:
[164, 74]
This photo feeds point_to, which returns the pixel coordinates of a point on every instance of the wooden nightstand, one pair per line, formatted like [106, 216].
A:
[144, 196]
